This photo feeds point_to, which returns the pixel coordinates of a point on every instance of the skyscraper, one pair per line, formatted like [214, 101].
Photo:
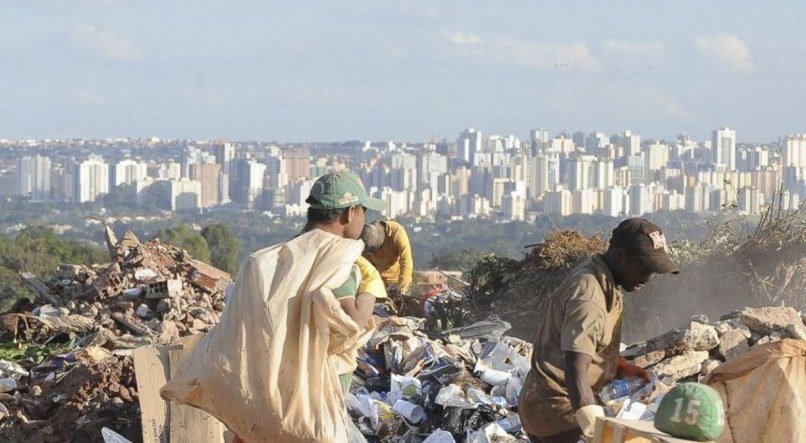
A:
[128, 171]
[33, 177]
[723, 147]
[297, 164]
[90, 180]
[209, 175]
[469, 144]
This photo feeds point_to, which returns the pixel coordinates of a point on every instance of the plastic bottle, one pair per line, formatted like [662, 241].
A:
[620, 388]
[511, 423]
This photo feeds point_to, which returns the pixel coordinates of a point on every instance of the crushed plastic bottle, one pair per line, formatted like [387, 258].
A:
[511, 423]
[620, 388]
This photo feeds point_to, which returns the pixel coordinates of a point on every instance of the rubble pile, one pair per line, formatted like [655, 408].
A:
[690, 353]
[65, 368]
[462, 383]
[71, 397]
[150, 293]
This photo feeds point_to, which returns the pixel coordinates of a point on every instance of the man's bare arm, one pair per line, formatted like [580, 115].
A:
[576, 379]
[359, 308]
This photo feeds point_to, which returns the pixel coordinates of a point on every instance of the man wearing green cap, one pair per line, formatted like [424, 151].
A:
[338, 202]
[576, 351]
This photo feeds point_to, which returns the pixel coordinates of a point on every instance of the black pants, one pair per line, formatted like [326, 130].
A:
[571, 436]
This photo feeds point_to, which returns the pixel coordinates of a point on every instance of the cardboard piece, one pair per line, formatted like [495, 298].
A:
[163, 422]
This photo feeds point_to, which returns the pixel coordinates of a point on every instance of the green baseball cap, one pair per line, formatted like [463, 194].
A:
[343, 189]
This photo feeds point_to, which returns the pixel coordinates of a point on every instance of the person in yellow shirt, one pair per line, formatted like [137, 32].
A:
[387, 247]
[363, 281]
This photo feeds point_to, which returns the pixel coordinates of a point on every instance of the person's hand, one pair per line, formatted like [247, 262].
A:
[586, 417]
[626, 369]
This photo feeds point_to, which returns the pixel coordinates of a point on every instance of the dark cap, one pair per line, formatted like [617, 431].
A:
[373, 236]
[647, 240]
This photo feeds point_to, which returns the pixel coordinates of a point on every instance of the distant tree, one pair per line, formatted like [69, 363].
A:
[225, 249]
[39, 250]
[459, 259]
[184, 237]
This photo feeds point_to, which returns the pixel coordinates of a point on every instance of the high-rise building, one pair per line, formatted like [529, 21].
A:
[225, 156]
[603, 174]
[656, 157]
[586, 201]
[33, 177]
[615, 202]
[794, 151]
[641, 199]
[636, 165]
[429, 167]
[297, 163]
[559, 201]
[514, 206]
[580, 172]
[469, 144]
[250, 181]
[723, 147]
[189, 155]
[209, 175]
[630, 142]
[90, 180]
[185, 194]
[128, 171]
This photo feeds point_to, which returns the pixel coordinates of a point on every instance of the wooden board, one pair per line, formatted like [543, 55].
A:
[164, 422]
[151, 371]
[614, 430]
[189, 424]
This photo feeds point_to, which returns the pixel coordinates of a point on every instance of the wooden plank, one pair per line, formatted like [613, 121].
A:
[151, 373]
[615, 430]
[189, 424]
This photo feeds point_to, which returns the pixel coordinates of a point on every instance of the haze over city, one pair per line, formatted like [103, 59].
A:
[313, 71]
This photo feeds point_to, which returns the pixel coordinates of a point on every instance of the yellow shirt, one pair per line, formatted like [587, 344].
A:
[584, 316]
[367, 280]
[393, 259]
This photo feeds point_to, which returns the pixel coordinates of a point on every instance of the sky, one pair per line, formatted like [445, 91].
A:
[304, 71]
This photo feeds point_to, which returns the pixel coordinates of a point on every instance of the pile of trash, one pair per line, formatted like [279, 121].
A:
[150, 292]
[65, 365]
[462, 383]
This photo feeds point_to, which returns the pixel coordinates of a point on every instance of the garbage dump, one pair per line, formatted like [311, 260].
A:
[441, 373]
[462, 383]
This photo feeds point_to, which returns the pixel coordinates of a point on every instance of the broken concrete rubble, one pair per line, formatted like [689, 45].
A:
[767, 320]
[732, 344]
[680, 366]
[689, 353]
[145, 284]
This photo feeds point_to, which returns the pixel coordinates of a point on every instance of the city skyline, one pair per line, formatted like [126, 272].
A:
[310, 72]
[476, 175]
